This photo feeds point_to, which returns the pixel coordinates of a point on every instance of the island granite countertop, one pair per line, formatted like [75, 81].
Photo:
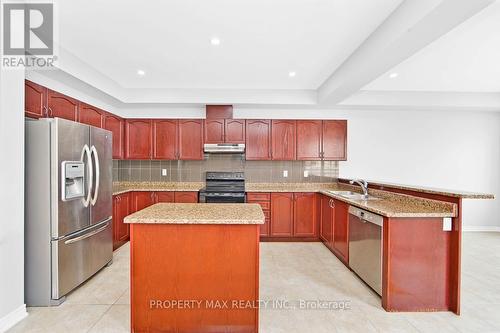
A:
[203, 213]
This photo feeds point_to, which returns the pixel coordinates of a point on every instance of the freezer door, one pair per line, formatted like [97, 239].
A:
[69, 142]
[77, 257]
[101, 147]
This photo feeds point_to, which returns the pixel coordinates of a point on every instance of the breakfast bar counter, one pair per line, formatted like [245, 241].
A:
[195, 267]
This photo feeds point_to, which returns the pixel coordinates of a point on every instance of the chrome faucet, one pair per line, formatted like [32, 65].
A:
[363, 184]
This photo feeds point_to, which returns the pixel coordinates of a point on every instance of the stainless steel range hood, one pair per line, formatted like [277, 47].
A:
[224, 148]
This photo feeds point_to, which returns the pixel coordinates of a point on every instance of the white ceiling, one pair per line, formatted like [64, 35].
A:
[466, 59]
[261, 40]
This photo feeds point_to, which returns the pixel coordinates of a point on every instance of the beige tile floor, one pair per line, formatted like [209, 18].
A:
[294, 271]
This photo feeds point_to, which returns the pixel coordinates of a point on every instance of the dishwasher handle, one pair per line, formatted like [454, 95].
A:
[366, 216]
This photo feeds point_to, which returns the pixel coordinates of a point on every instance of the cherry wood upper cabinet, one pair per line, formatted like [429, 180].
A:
[282, 214]
[234, 131]
[116, 125]
[258, 140]
[138, 139]
[91, 115]
[121, 208]
[62, 106]
[341, 230]
[141, 200]
[305, 215]
[214, 131]
[309, 140]
[165, 139]
[335, 140]
[186, 197]
[326, 225]
[166, 197]
[35, 100]
[191, 139]
[283, 138]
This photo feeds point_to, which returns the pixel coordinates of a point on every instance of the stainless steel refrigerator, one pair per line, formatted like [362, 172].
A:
[68, 200]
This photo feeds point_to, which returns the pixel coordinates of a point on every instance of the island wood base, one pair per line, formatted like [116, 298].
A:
[194, 262]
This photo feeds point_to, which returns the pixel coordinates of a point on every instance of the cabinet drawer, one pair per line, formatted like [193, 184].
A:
[254, 196]
[267, 214]
[264, 205]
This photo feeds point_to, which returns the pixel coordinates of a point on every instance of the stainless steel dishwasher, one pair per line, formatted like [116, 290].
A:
[365, 246]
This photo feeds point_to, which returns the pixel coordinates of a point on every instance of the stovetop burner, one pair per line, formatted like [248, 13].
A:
[224, 187]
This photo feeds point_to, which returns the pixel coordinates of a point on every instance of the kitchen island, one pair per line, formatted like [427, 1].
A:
[195, 267]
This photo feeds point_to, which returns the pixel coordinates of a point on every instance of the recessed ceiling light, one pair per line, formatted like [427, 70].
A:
[292, 74]
[393, 75]
[215, 41]
[140, 72]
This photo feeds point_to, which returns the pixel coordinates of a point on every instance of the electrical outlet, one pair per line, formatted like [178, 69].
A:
[447, 224]
[163, 172]
[285, 173]
[306, 173]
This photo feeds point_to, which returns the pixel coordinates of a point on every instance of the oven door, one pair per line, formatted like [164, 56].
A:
[224, 197]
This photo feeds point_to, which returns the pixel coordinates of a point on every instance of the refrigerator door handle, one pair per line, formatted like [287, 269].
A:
[86, 152]
[97, 175]
[87, 235]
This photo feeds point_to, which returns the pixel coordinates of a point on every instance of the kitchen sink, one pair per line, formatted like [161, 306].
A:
[353, 195]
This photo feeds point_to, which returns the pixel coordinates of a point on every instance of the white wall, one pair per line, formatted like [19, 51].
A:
[446, 149]
[12, 307]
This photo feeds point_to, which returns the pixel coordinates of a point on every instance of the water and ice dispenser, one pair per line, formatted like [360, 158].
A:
[73, 180]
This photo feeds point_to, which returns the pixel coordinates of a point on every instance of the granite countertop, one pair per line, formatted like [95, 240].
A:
[432, 190]
[399, 205]
[204, 213]
[124, 187]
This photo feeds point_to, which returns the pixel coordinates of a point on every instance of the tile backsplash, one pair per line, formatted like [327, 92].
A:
[255, 171]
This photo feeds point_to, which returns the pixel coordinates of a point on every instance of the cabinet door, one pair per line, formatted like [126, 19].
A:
[120, 211]
[165, 197]
[326, 226]
[141, 200]
[214, 131]
[263, 199]
[283, 137]
[309, 140]
[62, 106]
[234, 131]
[186, 197]
[281, 214]
[165, 145]
[35, 100]
[305, 215]
[91, 115]
[335, 140]
[258, 140]
[138, 139]
[116, 125]
[341, 230]
[191, 139]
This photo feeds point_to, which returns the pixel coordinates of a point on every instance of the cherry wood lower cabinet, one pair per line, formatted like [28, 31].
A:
[121, 208]
[264, 200]
[186, 197]
[209, 264]
[341, 230]
[294, 215]
[141, 200]
[35, 100]
[326, 225]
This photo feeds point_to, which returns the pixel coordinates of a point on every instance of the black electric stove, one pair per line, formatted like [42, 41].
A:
[223, 187]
